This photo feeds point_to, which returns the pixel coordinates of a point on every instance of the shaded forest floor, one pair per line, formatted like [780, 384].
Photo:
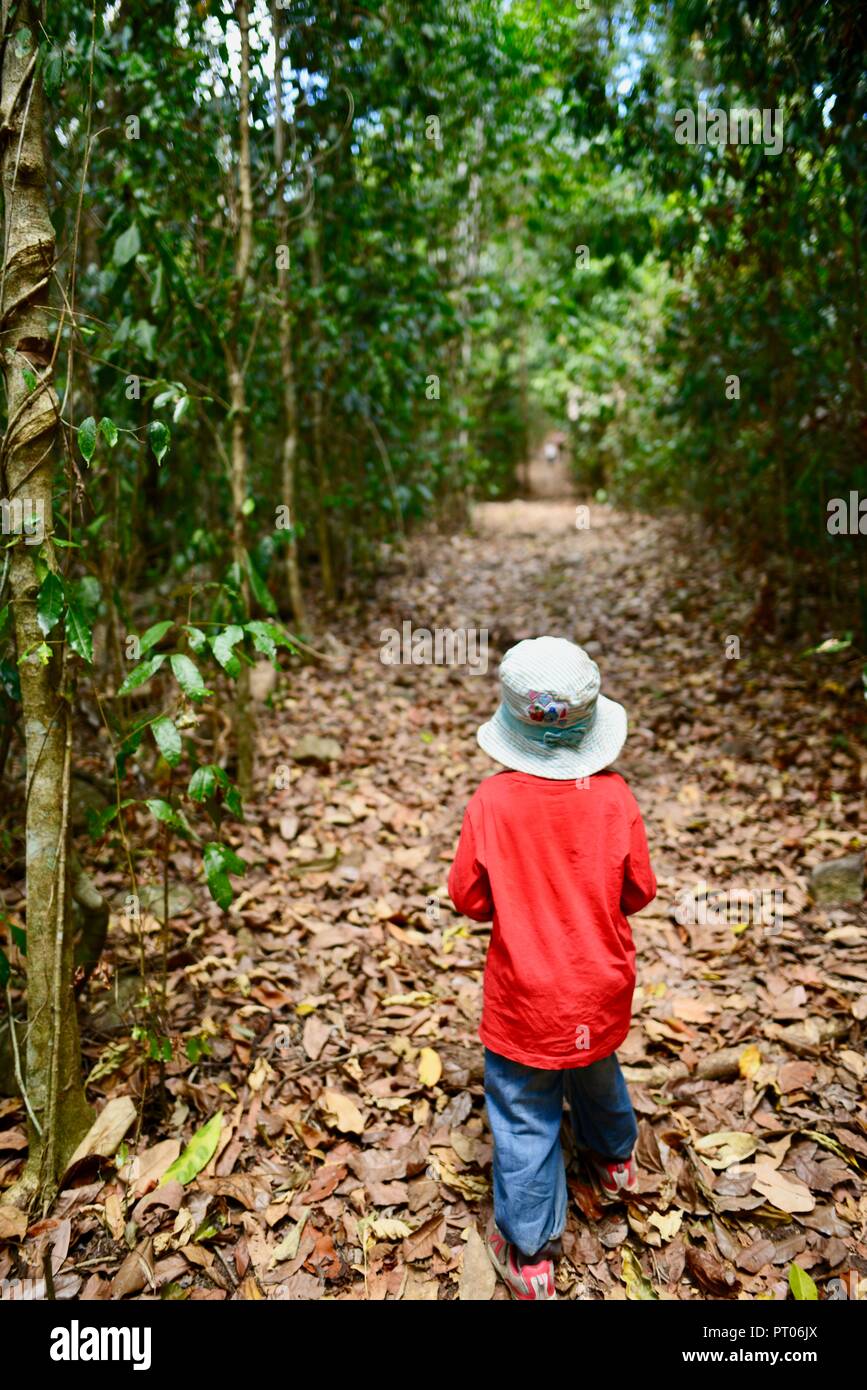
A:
[341, 993]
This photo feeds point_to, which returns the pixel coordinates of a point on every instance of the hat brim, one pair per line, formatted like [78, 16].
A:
[597, 750]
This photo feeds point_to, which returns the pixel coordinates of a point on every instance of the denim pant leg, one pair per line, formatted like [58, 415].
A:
[525, 1107]
[602, 1116]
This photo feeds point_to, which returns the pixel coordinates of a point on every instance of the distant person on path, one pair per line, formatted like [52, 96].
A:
[554, 853]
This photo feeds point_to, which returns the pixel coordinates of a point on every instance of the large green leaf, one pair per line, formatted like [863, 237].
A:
[189, 677]
[127, 245]
[159, 437]
[49, 602]
[220, 861]
[79, 632]
[87, 438]
[168, 740]
[802, 1285]
[205, 782]
[108, 429]
[267, 637]
[168, 815]
[222, 644]
[197, 1154]
[142, 673]
[99, 821]
[154, 634]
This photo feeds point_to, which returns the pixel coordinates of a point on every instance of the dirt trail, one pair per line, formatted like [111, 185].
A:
[341, 994]
[392, 976]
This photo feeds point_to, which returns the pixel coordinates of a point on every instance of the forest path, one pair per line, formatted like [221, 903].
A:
[375, 1067]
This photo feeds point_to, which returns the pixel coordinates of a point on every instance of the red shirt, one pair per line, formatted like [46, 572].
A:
[557, 867]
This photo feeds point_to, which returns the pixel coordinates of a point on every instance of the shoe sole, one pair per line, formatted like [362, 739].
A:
[502, 1272]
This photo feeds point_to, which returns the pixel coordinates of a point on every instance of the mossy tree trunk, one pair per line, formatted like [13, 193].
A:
[57, 1111]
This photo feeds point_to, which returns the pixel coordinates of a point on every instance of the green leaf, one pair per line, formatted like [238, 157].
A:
[203, 783]
[49, 603]
[108, 429]
[127, 748]
[830, 646]
[220, 861]
[197, 639]
[802, 1285]
[30, 379]
[159, 436]
[222, 645]
[99, 821]
[167, 815]
[79, 633]
[188, 677]
[197, 1154]
[87, 438]
[153, 635]
[5, 968]
[142, 673]
[168, 740]
[127, 245]
[267, 637]
[260, 588]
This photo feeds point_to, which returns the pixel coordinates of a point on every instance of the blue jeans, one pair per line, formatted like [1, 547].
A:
[525, 1107]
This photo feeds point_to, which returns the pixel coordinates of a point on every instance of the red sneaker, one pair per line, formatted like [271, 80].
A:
[529, 1282]
[616, 1179]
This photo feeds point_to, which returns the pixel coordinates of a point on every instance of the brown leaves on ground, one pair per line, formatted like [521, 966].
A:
[340, 995]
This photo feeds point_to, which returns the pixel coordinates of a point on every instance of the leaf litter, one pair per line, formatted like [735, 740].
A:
[331, 1141]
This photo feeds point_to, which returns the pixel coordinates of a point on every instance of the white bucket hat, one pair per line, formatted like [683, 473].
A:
[552, 721]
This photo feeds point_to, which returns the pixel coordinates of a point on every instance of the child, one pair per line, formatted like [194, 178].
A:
[554, 853]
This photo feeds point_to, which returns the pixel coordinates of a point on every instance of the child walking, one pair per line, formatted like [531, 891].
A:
[553, 852]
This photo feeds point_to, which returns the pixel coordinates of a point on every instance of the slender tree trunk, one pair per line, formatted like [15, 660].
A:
[244, 718]
[287, 367]
[316, 422]
[57, 1110]
[469, 234]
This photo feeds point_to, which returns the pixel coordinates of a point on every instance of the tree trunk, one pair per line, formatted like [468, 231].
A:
[469, 246]
[57, 1110]
[244, 719]
[318, 451]
[287, 368]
